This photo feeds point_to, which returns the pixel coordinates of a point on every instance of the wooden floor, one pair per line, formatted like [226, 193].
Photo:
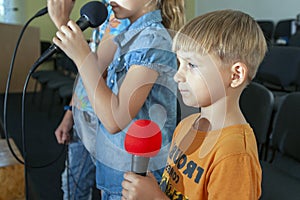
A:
[11, 173]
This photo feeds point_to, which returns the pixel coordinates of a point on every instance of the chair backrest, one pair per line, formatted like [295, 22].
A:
[280, 68]
[257, 104]
[267, 26]
[65, 63]
[295, 40]
[285, 137]
[283, 31]
[286, 126]
[2, 132]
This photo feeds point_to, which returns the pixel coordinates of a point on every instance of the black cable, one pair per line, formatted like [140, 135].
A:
[38, 14]
[70, 174]
[24, 162]
[67, 166]
[24, 138]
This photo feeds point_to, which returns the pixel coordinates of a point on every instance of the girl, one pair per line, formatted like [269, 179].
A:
[137, 84]
[81, 121]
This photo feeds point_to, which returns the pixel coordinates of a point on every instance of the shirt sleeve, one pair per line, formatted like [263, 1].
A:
[153, 50]
[235, 177]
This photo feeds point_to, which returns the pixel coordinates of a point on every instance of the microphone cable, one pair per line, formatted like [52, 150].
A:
[38, 14]
[88, 13]
[24, 161]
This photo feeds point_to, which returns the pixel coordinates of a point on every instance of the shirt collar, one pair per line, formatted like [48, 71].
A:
[140, 24]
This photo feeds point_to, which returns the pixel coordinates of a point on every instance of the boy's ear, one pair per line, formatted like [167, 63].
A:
[239, 73]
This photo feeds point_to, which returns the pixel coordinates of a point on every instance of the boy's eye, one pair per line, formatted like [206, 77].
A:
[190, 65]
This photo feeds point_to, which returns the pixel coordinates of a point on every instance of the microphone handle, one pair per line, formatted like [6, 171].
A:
[82, 22]
[47, 54]
[139, 165]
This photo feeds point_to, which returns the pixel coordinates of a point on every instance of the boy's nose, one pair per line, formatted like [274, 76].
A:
[180, 75]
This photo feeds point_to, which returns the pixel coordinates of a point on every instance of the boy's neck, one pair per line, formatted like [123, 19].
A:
[222, 113]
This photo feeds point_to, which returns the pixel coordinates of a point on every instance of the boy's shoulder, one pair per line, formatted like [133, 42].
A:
[237, 140]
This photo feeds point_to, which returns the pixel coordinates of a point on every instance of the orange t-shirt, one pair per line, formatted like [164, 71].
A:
[220, 164]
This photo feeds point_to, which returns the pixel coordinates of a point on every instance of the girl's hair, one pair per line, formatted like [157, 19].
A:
[172, 13]
[232, 36]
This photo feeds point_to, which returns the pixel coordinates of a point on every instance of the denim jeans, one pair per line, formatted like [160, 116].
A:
[81, 164]
[81, 175]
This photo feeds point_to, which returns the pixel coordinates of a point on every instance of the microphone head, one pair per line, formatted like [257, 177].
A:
[143, 138]
[95, 12]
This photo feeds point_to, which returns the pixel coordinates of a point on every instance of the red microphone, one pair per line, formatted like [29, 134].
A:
[143, 140]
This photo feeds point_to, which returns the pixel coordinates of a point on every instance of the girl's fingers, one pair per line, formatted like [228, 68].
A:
[60, 35]
[73, 26]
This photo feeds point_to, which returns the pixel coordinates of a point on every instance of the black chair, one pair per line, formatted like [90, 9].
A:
[65, 93]
[283, 31]
[285, 137]
[64, 73]
[277, 185]
[2, 132]
[281, 172]
[257, 104]
[295, 40]
[70, 72]
[280, 69]
[40, 73]
[267, 26]
[42, 76]
[67, 79]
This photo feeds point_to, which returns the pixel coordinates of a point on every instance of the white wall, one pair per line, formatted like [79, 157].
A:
[12, 11]
[259, 9]
[47, 28]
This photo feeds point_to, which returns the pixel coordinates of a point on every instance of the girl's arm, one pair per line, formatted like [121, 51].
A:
[114, 111]
[59, 11]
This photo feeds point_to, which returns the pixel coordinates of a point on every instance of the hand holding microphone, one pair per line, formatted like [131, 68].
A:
[143, 140]
[93, 14]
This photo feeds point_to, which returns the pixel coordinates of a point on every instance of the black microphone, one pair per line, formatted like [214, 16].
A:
[41, 12]
[93, 14]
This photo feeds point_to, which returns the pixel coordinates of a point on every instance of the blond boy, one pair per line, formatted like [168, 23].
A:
[213, 153]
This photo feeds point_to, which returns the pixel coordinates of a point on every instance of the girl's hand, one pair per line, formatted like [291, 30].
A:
[59, 11]
[62, 132]
[70, 39]
[141, 187]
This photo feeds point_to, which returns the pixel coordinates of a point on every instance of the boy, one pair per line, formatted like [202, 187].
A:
[213, 155]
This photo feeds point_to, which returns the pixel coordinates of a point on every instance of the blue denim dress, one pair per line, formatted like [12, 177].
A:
[146, 43]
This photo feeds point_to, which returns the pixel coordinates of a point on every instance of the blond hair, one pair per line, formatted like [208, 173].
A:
[172, 13]
[233, 36]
